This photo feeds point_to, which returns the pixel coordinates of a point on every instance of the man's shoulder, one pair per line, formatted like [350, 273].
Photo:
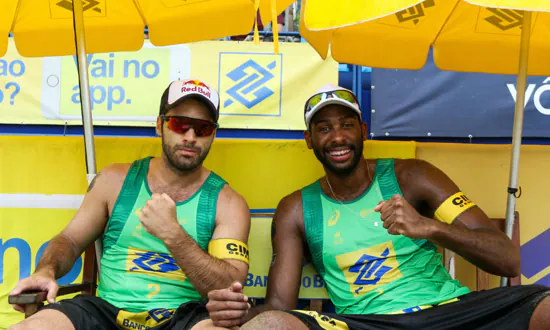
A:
[115, 170]
[421, 181]
[292, 199]
[232, 208]
[290, 208]
[230, 197]
[412, 166]
[112, 176]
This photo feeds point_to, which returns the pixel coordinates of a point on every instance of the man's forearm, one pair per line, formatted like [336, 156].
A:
[486, 248]
[58, 258]
[205, 272]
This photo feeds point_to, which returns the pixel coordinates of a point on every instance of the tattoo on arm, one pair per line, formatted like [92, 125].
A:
[93, 182]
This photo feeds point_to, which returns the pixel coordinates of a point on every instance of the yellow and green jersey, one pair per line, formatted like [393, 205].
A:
[138, 273]
[367, 270]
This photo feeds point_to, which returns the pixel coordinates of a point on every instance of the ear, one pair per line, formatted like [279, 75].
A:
[213, 136]
[159, 126]
[364, 131]
[307, 136]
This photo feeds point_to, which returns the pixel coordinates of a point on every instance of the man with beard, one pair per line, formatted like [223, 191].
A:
[172, 231]
[370, 227]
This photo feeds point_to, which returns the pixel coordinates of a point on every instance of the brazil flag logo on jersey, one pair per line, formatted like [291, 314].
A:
[368, 269]
[153, 263]
[144, 320]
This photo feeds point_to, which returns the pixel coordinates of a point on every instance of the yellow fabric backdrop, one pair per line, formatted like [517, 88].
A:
[42, 180]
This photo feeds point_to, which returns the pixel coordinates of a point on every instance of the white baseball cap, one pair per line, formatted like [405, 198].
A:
[330, 94]
[180, 90]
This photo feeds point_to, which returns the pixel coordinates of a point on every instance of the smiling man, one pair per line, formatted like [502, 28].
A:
[370, 228]
[169, 229]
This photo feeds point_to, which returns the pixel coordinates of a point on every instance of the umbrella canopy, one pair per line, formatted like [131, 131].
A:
[487, 36]
[45, 28]
[469, 36]
[79, 27]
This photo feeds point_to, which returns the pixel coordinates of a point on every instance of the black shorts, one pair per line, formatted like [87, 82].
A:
[90, 312]
[499, 308]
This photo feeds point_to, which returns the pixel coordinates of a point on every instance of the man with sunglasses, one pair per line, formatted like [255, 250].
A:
[370, 228]
[172, 231]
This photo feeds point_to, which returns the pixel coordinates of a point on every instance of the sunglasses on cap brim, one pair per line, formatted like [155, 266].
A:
[182, 124]
[337, 94]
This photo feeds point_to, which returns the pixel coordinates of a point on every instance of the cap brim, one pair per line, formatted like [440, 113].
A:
[326, 102]
[199, 97]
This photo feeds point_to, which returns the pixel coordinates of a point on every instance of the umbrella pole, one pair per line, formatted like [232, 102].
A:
[80, 40]
[84, 89]
[518, 127]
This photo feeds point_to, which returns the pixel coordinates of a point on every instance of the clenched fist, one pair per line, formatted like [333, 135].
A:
[159, 218]
[400, 218]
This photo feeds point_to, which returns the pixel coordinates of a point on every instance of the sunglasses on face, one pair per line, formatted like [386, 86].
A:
[181, 124]
[339, 94]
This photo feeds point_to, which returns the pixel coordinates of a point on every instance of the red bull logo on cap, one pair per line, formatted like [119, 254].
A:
[195, 86]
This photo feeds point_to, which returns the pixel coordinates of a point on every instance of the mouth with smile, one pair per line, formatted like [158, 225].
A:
[340, 154]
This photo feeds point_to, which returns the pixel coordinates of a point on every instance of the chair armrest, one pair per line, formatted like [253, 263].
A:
[37, 297]
[34, 297]
[73, 288]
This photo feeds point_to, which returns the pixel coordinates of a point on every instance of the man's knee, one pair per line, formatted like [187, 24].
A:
[207, 325]
[45, 319]
[15, 327]
[541, 315]
[23, 325]
[274, 320]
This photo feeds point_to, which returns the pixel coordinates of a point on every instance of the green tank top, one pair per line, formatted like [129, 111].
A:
[367, 270]
[138, 272]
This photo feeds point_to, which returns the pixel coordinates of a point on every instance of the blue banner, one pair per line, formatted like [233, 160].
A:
[436, 103]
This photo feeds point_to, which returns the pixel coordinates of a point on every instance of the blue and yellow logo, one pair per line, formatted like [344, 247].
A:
[368, 269]
[250, 84]
[153, 263]
[144, 320]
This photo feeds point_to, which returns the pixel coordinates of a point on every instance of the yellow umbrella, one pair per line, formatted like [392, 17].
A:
[465, 37]
[322, 15]
[78, 27]
[46, 28]
[487, 36]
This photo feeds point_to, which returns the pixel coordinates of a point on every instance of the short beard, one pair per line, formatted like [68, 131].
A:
[357, 150]
[183, 164]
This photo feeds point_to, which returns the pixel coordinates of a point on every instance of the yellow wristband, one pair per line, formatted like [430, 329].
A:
[227, 248]
[452, 207]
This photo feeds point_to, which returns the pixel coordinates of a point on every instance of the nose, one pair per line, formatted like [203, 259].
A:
[189, 137]
[338, 136]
